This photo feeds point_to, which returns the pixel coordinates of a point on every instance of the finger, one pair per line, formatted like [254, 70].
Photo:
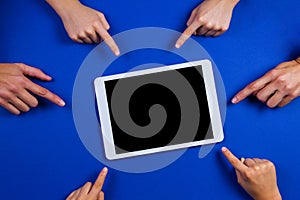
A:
[86, 39]
[257, 160]
[11, 108]
[186, 34]
[97, 187]
[76, 194]
[43, 92]
[20, 105]
[104, 21]
[275, 99]
[191, 19]
[34, 72]
[249, 162]
[251, 88]
[27, 98]
[86, 188]
[101, 196]
[202, 30]
[286, 100]
[70, 197]
[79, 40]
[108, 40]
[93, 36]
[210, 33]
[234, 161]
[218, 33]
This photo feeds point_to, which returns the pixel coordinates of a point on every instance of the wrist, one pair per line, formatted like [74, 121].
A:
[62, 7]
[274, 196]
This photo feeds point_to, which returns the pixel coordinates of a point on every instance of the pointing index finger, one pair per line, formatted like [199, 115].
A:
[186, 34]
[108, 40]
[99, 182]
[43, 92]
[234, 161]
[251, 88]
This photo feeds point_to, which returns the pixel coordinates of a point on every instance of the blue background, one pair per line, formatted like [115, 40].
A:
[42, 156]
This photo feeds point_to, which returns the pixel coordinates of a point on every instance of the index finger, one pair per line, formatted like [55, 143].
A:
[186, 34]
[109, 41]
[43, 92]
[251, 88]
[97, 187]
[234, 161]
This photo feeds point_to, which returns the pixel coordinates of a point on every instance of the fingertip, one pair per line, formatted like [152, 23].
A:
[177, 45]
[234, 100]
[105, 169]
[117, 52]
[48, 78]
[224, 149]
[61, 103]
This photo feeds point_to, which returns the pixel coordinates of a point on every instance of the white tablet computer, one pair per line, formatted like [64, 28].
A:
[159, 109]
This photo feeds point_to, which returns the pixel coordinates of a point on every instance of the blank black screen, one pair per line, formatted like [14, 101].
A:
[149, 93]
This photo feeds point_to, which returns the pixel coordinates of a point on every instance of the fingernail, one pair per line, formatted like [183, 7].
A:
[177, 45]
[61, 102]
[105, 169]
[234, 100]
[117, 52]
[224, 149]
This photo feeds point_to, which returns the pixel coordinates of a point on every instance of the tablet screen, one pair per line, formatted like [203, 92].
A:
[158, 109]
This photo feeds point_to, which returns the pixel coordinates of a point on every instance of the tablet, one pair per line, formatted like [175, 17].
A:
[158, 109]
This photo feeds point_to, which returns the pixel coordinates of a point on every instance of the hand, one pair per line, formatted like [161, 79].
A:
[256, 176]
[278, 87]
[89, 191]
[210, 18]
[16, 89]
[84, 24]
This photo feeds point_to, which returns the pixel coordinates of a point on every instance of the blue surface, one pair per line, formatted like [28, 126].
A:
[42, 156]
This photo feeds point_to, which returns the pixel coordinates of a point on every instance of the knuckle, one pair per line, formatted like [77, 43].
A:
[13, 88]
[273, 73]
[96, 24]
[209, 25]
[252, 86]
[294, 94]
[5, 94]
[74, 37]
[89, 31]
[101, 15]
[200, 19]
[224, 28]
[43, 91]
[281, 80]
[270, 164]
[20, 81]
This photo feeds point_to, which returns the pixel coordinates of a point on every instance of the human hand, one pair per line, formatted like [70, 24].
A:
[84, 24]
[278, 87]
[16, 89]
[89, 191]
[256, 176]
[210, 18]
